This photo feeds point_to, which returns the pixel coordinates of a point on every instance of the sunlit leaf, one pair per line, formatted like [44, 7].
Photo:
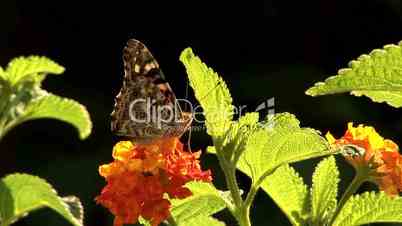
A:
[33, 68]
[203, 221]
[377, 75]
[2, 73]
[289, 192]
[75, 206]
[23, 99]
[205, 201]
[236, 137]
[21, 193]
[324, 191]
[279, 141]
[212, 93]
[370, 207]
[55, 107]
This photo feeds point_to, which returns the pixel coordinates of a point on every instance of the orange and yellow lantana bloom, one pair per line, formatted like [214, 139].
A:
[142, 176]
[377, 156]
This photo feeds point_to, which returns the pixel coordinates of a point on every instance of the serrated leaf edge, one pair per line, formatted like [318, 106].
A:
[352, 65]
[25, 212]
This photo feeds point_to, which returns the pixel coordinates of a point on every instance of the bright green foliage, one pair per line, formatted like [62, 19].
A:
[279, 140]
[370, 207]
[211, 150]
[33, 67]
[205, 201]
[289, 192]
[1, 72]
[75, 207]
[261, 150]
[234, 141]
[143, 222]
[22, 193]
[236, 137]
[324, 191]
[377, 75]
[212, 93]
[22, 99]
[67, 110]
[203, 221]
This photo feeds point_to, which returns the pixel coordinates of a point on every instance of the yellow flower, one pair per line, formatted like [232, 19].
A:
[142, 175]
[366, 150]
[122, 150]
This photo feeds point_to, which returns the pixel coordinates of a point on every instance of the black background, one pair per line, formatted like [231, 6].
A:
[262, 49]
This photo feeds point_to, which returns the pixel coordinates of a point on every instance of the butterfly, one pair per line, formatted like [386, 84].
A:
[146, 108]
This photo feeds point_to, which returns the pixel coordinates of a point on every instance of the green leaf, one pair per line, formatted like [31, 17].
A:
[205, 201]
[324, 191]
[370, 207]
[32, 67]
[377, 75]
[212, 93]
[2, 73]
[211, 150]
[280, 140]
[203, 221]
[22, 98]
[22, 193]
[289, 192]
[143, 222]
[5, 91]
[55, 107]
[75, 207]
[234, 141]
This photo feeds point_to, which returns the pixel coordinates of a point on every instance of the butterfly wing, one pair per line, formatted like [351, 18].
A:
[146, 107]
[138, 60]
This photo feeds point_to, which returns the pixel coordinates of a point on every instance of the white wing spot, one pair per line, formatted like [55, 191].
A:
[149, 66]
[137, 68]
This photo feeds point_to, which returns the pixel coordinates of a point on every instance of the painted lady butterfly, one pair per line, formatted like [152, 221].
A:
[146, 108]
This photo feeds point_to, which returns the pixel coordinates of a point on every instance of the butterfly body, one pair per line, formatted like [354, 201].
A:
[146, 108]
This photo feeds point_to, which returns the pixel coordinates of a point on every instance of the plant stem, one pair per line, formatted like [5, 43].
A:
[240, 211]
[244, 216]
[359, 178]
[231, 181]
[250, 196]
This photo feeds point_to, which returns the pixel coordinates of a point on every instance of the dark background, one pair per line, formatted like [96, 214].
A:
[262, 49]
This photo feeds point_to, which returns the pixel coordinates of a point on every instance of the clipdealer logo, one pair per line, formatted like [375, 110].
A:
[147, 111]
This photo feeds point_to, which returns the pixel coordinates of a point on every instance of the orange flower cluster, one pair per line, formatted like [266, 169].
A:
[142, 174]
[379, 156]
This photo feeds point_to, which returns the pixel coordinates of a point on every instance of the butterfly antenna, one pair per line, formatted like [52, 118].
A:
[187, 85]
[190, 130]
[189, 139]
